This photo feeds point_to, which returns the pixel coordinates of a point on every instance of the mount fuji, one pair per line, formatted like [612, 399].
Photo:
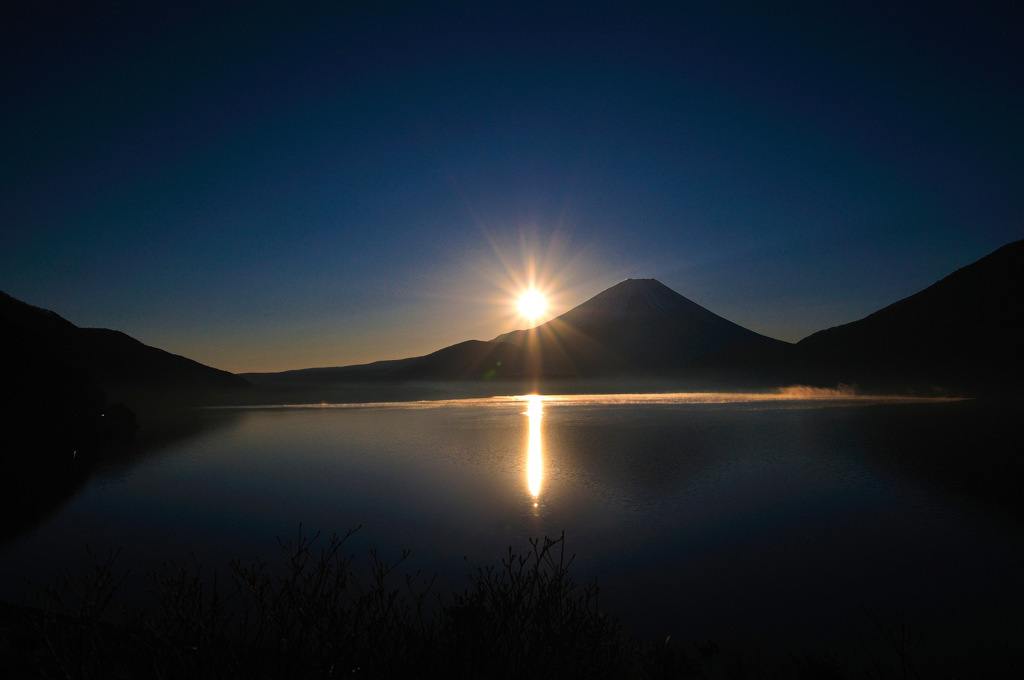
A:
[637, 325]
[637, 328]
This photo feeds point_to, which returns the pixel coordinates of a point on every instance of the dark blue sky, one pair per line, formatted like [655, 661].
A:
[266, 186]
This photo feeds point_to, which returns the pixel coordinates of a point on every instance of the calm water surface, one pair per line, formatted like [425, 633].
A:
[726, 516]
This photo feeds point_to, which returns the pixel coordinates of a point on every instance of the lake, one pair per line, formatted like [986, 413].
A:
[735, 517]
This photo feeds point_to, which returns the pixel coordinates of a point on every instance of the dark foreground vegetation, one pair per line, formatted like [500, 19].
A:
[313, 616]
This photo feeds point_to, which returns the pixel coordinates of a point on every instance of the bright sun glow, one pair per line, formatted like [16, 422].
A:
[532, 304]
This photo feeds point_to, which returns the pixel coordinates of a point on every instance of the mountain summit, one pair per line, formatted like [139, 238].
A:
[636, 325]
[635, 297]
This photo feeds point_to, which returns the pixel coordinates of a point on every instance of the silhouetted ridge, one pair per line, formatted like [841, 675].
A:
[69, 393]
[38, 343]
[636, 326]
[639, 326]
[963, 332]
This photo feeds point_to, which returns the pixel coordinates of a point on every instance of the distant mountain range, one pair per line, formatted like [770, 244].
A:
[962, 334]
[637, 328]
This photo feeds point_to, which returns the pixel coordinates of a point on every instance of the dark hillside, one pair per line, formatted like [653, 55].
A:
[40, 345]
[964, 333]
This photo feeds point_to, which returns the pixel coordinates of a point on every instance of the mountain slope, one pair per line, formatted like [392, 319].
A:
[39, 345]
[637, 325]
[964, 332]
[468, 360]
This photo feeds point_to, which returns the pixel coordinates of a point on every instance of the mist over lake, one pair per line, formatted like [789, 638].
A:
[726, 516]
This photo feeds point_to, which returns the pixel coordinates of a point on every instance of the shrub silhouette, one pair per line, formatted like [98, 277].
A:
[316, 615]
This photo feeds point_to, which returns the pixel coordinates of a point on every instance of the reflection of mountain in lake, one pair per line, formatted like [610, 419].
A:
[41, 476]
[645, 454]
[59, 384]
[739, 515]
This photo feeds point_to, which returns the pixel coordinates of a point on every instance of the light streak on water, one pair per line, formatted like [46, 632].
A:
[534, 456]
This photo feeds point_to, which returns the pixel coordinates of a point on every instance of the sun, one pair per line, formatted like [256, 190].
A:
[532, 304]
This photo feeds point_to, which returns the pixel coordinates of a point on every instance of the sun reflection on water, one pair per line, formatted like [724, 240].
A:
[534, 457]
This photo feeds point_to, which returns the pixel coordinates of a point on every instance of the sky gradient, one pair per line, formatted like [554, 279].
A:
[262, 186]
